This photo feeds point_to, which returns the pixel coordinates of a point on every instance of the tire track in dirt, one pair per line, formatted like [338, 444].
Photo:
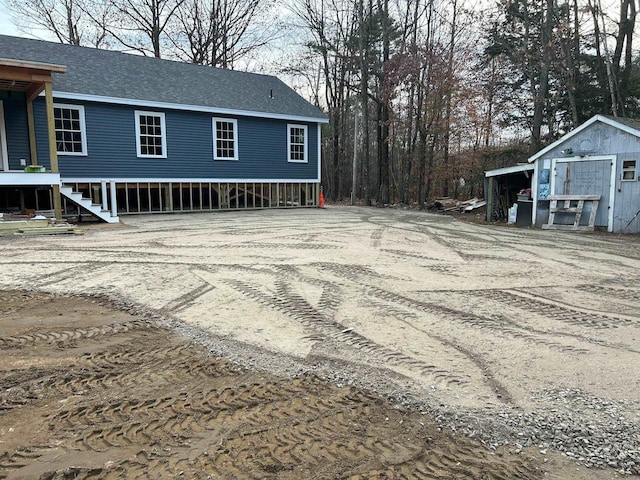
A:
[472, 296]
[409, 319]
[512, 329]
[63, 274]
[348, 270]
[442, 375]
[298, 308]
[293, 246]
[121, 365]
[404, 254]
[158, 407]
[185, 301]
[625, 293]
[533, 303]
[60, 336]
[503, 327]
[22, 457]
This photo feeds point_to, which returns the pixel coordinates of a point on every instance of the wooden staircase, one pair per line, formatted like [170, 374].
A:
[86, 204]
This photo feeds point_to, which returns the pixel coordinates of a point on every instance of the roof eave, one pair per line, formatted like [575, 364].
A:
[45, 67]
[508, 170]
[596, 118]
[179, 106]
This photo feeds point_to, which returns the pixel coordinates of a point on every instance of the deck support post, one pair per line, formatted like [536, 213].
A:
[103, 194]
[114, 202]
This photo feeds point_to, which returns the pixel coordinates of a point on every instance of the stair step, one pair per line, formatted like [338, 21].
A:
[88, 205]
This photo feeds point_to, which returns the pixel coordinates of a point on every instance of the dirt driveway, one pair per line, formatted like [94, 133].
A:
[524, 339]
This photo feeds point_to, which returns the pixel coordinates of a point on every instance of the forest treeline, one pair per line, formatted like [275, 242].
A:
[422, 95]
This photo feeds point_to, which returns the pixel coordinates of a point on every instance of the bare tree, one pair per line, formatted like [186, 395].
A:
[67, 20]
[618, 66]
[218, 32]
[141, 25]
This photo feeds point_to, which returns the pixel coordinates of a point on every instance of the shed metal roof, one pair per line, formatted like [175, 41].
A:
[116, 77]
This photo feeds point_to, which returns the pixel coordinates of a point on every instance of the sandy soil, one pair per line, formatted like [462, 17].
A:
[470, 326]
[91, 392]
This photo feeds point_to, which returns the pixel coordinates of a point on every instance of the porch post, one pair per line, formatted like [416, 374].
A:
[53, 155]
[32, 132]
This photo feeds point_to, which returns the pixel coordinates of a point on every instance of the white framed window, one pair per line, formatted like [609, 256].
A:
[297, 143]
[151, 137]
[71, 133]
[225, 139]
[629, 170]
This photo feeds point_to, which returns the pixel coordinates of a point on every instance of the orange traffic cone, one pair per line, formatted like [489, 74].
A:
[321, 201]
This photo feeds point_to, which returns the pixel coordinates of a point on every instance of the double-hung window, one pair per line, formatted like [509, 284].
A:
[225, 139]
[297, 143]
[71, 135]
[151, 138]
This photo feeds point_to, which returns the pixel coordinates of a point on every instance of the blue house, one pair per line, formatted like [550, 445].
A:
[115, 134]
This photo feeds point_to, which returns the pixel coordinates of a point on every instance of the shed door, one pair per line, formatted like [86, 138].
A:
[585, 177]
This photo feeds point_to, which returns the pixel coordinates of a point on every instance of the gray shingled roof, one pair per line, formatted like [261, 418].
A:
[114, 74]
[629, 122]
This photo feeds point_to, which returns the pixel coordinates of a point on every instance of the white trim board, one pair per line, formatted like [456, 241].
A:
[184, 180]
[178, 106]
[3, 141]
[534, 193]
[319, 129]
[29, 179]
[507, 170]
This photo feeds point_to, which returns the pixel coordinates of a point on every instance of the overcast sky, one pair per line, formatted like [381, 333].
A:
[6, 25]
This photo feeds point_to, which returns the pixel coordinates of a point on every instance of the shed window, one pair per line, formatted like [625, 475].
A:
[71, 137]
[297, 143]
[225, 139]
[628, 170]
[151, 135]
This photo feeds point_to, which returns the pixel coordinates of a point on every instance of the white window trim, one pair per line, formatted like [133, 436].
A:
[83, 130]
[306, 143]
[634, 170]
[163, 128]
[215, 138]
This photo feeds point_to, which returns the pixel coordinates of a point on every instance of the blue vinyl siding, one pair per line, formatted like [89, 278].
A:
[16, 126]
[111, 147]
